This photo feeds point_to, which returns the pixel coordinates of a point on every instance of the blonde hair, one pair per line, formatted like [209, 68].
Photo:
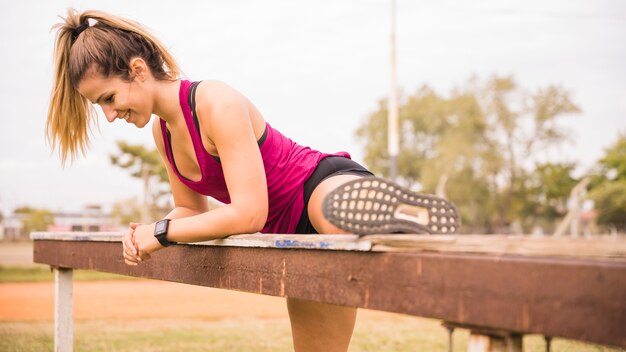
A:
[106, 46]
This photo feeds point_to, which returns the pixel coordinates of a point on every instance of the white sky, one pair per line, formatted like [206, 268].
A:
[315, 69]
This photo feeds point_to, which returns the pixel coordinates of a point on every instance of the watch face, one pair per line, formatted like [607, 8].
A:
[160, 226]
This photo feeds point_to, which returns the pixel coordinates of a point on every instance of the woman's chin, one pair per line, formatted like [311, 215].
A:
[140, 123]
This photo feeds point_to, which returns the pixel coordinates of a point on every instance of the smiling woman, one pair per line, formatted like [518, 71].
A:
[215, 142]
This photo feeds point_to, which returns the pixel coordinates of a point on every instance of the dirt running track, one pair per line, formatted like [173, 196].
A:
[144, 299]
[136, 299]
[132, 299]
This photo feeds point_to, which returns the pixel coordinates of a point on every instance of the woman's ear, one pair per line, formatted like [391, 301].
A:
[138, 69]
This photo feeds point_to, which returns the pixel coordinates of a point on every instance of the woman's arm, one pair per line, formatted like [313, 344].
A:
[226, 121]
[186, 203]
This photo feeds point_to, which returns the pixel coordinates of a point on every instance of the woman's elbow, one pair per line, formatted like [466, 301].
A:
[256, 219]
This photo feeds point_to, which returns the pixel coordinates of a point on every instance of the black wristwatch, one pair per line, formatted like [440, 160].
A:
[160, 232]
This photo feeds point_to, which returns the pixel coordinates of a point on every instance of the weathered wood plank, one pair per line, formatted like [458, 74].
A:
[595, 247]
[78, 236]
[329, 242]
[582, 299]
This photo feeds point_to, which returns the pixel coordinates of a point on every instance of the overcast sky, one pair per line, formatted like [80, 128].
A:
[315, 69]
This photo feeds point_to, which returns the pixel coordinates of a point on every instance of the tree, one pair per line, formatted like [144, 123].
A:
[481, 137]
[613, 165]
[521, 124]
[546, 191]
[35, 219]
[610, 202]
[147, 165]
[126, 211]
[608, 189]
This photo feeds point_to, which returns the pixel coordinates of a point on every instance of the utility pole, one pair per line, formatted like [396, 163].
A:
[392, 119]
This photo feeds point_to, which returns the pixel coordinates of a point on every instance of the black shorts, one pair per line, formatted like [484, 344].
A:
[327, 167]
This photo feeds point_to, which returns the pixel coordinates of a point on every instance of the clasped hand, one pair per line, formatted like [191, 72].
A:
[138, 242]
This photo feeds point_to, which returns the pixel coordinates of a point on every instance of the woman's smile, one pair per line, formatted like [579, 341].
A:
[126, 116]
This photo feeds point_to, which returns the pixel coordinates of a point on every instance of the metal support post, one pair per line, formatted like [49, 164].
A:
[63, 310]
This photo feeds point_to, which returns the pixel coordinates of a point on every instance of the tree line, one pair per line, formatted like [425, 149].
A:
[486, 141]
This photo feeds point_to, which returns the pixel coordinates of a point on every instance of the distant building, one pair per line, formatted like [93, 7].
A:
[92, 219]
[12, 227]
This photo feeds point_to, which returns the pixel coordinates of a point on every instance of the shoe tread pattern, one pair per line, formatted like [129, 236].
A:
[368, 206]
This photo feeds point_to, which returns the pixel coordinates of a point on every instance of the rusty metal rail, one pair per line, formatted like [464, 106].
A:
[558, 296]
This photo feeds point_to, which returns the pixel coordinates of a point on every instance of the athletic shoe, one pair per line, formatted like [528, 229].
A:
[373, 205]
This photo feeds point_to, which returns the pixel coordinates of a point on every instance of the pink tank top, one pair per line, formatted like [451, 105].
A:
[287, 167]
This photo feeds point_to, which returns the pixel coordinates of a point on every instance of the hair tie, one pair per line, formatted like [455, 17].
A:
[78, 30]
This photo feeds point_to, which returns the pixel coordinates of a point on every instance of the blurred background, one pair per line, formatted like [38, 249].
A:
[516, 111]
[505, 106]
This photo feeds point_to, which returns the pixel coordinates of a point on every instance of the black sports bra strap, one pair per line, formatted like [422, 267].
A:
[191, 100]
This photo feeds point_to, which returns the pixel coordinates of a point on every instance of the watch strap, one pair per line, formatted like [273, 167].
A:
[160, 232]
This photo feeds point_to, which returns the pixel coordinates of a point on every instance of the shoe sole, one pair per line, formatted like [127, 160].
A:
[373, 205]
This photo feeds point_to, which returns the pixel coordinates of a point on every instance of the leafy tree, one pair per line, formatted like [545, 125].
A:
[126, 211]
[543, 196]
[613, 164]
[35, 219]
[24, 210]
[482, 137]
[147, 165]
[610, 202]
[608, 189]
[521, 123]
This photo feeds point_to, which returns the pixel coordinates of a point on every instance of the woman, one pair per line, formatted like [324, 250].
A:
[215, 142]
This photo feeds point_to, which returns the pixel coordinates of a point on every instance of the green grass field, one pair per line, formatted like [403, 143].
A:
[42, 274]
[254, 335]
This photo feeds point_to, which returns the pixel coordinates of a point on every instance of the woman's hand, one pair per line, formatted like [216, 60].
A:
[130, 251]
[145, 242]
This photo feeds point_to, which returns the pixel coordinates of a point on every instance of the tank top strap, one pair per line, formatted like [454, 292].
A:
[187, 103]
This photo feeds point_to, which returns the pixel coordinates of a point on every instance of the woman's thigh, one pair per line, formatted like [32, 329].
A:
[314, 207]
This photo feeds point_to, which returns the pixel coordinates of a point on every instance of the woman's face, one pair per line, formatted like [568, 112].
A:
[118, 99]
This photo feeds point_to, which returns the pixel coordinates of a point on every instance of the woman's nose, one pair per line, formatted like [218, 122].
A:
[109, 113]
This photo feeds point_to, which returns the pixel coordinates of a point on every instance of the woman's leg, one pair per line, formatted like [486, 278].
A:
[318, 326]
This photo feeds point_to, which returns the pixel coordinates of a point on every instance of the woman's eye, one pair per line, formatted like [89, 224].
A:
[109, 99]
